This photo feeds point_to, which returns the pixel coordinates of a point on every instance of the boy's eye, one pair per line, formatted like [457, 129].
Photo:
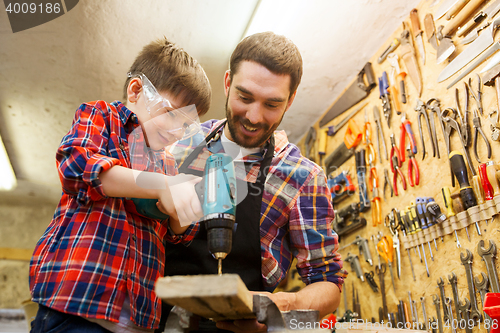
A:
[272, 106]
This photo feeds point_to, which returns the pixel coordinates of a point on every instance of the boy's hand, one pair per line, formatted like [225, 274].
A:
[181, 200]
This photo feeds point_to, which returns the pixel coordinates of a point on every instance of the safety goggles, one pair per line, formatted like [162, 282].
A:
[182, 122]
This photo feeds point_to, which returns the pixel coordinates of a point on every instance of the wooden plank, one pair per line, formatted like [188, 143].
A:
[220, 297]
[10, 253]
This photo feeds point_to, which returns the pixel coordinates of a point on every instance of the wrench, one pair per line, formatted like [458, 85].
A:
[453, 281]
[448, 301]
[475, 314]
[446, 315]
[380, 270]
[435, 301]
[433, 125]
[426, 320]
[488, 256]
[464, 310]
[482, 286]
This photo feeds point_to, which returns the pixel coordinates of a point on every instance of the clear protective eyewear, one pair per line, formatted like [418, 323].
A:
[182, 122]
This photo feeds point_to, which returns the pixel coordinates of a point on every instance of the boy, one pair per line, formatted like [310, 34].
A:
[95, 267]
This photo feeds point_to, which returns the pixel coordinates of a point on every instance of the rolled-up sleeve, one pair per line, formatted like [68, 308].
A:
[312, 237]
[82, 154]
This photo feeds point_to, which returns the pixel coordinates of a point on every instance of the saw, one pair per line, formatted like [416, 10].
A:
[356, 92]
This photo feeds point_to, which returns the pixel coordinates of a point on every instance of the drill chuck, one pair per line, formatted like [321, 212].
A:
[219, 234]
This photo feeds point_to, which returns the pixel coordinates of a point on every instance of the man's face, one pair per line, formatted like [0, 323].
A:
[256, 101]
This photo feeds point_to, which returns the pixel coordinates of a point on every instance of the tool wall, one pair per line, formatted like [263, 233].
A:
[428, 220]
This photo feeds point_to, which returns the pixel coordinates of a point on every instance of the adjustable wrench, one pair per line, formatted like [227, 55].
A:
[488, 256]
[475, 314]
[446, 315]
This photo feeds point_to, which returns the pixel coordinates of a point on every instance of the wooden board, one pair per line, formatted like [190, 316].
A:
[220, 297]
[434, 174]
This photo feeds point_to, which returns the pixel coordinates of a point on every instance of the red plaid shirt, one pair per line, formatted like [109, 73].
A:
[96, 248]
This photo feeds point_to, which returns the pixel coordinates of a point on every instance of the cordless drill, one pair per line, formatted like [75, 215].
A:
[217, 194]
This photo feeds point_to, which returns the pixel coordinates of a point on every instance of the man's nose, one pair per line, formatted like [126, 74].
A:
[255, 113]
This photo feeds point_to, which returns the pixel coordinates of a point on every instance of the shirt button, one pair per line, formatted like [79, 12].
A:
[134, 238]
[122, 147]
[133, 117]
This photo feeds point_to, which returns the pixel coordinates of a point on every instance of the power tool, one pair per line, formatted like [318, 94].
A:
[217, 194]
[341, 186]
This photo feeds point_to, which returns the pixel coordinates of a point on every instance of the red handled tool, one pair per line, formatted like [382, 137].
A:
[412, 166]
[488, 189]
[396, 166]
[405, 128]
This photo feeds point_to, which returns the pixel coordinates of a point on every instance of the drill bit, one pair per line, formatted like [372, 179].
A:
[219, 266]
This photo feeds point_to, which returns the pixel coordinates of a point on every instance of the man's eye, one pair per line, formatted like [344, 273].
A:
[245, 99]
[272, 106]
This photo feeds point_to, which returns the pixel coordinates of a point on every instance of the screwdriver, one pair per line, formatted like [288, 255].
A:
[432, 218]
[421, 211]
[466, 192]
[412, 230]
[448, 203]
[404, 227]
[491, 171]
[485, 182]
[478, 190]
[419, 214]
[413, 217]
[385, 250]
[435, 210]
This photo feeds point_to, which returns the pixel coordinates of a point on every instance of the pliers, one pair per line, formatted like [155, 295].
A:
[412, 165]
[478, 98]
[422, 111]
[476, 121]
[387, 182]
[405, 128]
[383, 85]
[396, 166]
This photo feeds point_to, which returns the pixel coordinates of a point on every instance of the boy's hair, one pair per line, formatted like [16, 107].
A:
[275, 52]
[171, 69]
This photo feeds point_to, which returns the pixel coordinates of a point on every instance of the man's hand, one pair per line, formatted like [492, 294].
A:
[242, 326]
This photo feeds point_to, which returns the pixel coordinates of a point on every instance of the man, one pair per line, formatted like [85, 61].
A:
[287, 193]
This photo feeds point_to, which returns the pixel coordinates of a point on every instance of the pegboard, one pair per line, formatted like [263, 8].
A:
[434, 175]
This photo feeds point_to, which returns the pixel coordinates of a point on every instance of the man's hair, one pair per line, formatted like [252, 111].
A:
[275, 52]
[171, 69]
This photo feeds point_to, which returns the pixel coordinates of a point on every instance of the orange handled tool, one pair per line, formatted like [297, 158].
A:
[352, 135]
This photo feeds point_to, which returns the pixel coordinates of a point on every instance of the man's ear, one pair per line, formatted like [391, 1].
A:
[290, 100]
[227, 81]
[133, 90]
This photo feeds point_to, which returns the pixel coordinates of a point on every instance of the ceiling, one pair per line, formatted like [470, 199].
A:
[84, 55]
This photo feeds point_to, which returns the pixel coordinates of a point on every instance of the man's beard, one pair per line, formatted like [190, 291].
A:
[239, 138]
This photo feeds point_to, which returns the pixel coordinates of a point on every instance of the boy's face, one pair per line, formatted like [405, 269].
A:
[256, 101]
[164, 118]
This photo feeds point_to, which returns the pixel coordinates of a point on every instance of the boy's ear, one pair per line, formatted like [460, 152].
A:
[133, 90]
[227, 81]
